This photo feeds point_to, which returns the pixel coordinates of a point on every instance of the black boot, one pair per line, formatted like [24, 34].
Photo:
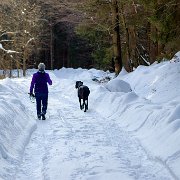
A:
[39, 116]
[43, 117]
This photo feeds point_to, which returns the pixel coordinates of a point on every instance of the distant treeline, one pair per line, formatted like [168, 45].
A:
[87, 33]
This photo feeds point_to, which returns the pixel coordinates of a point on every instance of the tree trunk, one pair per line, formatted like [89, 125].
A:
[116, 38]
[133, 46]
[126, 29]
[17, 67]
[24, 66]
[51, 48]
[10, 73]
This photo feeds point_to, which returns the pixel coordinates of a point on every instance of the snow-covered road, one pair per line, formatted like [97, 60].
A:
[73, 145]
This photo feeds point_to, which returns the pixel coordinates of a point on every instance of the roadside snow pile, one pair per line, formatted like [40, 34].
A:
[117, 85]
[159, 83]
[151, 111]
[176, 57]
[84, 74]
[70, 73]
[15, 127]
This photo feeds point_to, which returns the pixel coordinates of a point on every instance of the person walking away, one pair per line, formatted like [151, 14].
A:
[40, 88]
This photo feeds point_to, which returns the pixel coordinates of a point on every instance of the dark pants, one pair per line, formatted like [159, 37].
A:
[41, 103]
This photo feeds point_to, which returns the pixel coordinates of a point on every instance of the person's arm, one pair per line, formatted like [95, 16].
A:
[49, 81]
[32, 84]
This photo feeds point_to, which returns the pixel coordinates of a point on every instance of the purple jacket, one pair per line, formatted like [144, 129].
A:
[39, 82]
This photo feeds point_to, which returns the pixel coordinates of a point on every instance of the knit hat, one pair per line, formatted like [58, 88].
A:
[41, 66]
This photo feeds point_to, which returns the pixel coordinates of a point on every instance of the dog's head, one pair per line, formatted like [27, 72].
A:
[78, 84]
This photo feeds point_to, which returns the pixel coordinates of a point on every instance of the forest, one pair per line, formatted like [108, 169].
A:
[101, 34]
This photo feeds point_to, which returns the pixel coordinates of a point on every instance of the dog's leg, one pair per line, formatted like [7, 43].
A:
[85, 105]
[80, 103]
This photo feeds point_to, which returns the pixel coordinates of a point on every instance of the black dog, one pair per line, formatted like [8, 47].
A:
[83, 93]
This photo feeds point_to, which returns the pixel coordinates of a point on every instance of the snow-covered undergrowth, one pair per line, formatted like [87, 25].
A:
[145, 103]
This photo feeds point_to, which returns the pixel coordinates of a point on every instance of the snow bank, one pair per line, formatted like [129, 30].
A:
[117, 85]
[159, 82]
[176, 57]
[151, 111]
[82, 74]
[15, 126]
